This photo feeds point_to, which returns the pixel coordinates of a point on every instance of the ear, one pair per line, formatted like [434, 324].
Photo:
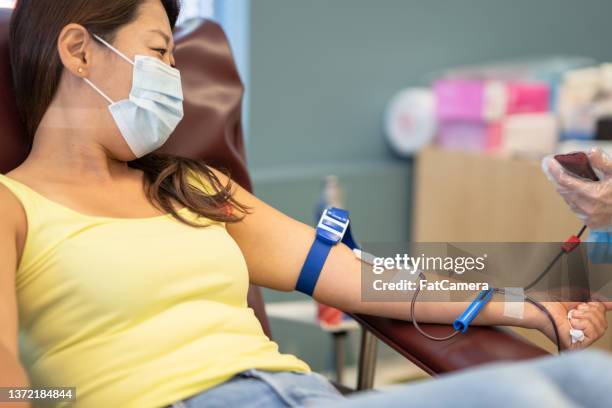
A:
[74, 48]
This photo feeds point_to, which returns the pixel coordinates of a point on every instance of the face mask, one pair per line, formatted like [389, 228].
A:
[155, 105]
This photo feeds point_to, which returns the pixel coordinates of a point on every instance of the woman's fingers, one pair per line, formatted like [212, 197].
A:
[595, 311]
[588, 328]
[604, 300]
[595, 318]
[590, 318]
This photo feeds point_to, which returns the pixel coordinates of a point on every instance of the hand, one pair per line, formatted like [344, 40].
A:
[590, 200]
[589, 317]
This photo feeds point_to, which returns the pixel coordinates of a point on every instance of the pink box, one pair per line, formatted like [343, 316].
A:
[459, 100]
[463, 135]
[527, 97]
[470, 136]
[495, 137]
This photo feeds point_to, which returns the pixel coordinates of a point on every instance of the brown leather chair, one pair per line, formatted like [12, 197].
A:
[212, 131]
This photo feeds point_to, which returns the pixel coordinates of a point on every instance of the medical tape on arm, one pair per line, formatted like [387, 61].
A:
[514, 303]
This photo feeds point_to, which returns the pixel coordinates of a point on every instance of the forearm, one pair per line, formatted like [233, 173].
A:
[12, 374]
[447, 312]
[340, 285]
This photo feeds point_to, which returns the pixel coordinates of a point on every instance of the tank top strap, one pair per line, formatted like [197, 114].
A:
[24, 194]
[44, 227]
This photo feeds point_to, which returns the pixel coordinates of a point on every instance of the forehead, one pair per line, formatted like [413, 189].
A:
[153, 19]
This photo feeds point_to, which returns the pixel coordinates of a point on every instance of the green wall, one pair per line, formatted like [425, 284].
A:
[321, 72]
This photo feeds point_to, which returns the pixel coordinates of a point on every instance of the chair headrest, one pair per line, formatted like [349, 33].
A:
[14, 148]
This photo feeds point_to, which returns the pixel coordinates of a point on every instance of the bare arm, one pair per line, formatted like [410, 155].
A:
[12, 373]
[275, 247]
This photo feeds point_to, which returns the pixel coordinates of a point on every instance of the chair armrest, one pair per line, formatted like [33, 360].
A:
[480, 345]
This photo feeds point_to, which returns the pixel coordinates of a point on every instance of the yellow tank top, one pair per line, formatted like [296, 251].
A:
[134, 312]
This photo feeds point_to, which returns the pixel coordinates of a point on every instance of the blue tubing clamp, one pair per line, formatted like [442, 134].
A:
[463, 322]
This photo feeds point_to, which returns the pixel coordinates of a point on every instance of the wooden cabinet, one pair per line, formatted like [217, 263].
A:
[462, 196]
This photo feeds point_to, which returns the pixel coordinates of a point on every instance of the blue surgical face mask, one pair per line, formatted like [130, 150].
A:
[155, 105]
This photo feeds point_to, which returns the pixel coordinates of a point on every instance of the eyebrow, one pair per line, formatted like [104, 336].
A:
[160, 32]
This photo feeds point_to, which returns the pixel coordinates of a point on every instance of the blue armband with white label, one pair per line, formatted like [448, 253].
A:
[331, 230]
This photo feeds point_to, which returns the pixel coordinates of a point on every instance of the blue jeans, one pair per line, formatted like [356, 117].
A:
[255, 388]
[577, 379]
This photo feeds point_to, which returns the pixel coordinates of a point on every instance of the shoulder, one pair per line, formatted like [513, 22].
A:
[13, 215]
[206, 178]
[218, 183]
[223, 177]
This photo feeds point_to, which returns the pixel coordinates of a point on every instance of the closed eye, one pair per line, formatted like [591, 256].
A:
[161, 51]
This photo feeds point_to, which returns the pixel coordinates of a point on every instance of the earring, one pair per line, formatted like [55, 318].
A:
[80, 70]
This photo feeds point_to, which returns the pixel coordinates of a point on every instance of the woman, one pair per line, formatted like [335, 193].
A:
[130, 270]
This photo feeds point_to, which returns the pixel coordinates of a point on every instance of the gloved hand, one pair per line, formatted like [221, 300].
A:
[590, 200]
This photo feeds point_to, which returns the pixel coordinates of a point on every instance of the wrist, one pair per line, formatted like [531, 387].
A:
[517, 313]
[533, 318]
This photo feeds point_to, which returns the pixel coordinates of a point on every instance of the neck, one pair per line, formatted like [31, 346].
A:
[65, 145]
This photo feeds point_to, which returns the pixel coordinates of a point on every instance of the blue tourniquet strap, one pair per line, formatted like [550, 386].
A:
[333, 227]
[312, 267]
[348, 239]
